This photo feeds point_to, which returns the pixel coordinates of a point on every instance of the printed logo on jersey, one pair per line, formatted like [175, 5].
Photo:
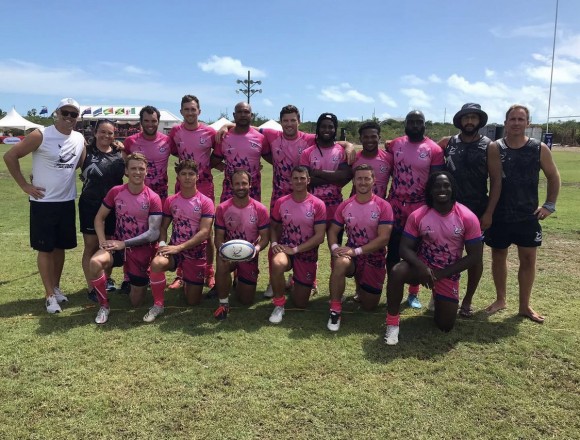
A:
[202, 140]
[64, 158]
[197, 208]
[383, 169]
[538, 238]
[457, 230]
[424, 155]
[374, 215]
[255, 145]
[253, 219]
[145, 206]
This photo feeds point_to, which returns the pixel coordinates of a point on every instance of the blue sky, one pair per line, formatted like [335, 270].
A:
[350, 58]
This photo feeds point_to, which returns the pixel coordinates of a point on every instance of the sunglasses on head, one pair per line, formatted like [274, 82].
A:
[69, 113]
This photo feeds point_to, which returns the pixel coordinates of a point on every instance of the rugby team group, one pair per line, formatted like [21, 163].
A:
[444, 201]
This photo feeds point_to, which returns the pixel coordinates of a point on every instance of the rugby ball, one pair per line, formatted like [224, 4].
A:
[237, 250]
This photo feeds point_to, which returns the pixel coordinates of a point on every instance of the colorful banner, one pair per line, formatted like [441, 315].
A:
[98, 111]
[108, 111]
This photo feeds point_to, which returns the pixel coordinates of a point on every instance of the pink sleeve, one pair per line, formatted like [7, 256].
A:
[386, 215]
[172, 144]
[109, 200]
[338, 217]
[438, 156]
[275, 214]
[310, 139]
[412, 225]
[128, 143]
[219, 217]
[263, 217]
[207, 208]
[305, 158]
[155, 203]
[319, 212]
[167, 206]
[471, 224]
[266, 149]
[217, 151]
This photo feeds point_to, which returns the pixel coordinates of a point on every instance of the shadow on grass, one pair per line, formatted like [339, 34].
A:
[4, 282]
[419, 338]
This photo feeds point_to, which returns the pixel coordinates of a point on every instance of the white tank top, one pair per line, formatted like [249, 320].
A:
[54, 164]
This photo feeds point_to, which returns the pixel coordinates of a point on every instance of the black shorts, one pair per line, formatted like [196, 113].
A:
[87, 213]
[526, 234]
[52, 226]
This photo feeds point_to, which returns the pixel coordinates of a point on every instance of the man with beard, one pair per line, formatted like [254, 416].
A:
[432, 251]
[415, 156]
[470, 158]
[193, 140]
[327, 165]
[380, 161]
[240, 217]
[56, 153]
[242, 148]
[368, 221]
[517, 214]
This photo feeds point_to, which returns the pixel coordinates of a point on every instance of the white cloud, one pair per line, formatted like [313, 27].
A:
[343, 93]
[386, 99]
[229, 66]
[477, 89]
[570, 47]
[267, 102]
[121, 68]
[413, 80]
[417, 98]
[27, 78]
[542, 30]
[435, 79]
[489, 73]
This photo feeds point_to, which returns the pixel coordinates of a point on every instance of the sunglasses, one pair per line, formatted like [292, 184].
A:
[69, 113]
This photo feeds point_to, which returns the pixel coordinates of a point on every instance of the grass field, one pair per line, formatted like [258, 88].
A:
[188, 376]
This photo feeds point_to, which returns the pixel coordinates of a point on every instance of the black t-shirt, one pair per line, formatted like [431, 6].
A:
[100, 172]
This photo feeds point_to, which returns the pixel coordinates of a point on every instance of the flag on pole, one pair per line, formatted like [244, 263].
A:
[120, 111]
[98, 111]
[44, 110]
[86, 111]
[108, 111]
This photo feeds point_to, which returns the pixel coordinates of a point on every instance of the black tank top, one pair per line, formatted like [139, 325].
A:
[521, 174]
[467, 162]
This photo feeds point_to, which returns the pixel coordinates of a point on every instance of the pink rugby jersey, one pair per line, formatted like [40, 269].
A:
[412, 164]
[298, 220]
[326, 159]
[242, 151]
[285, 156]
[382, 165]
[186, 215]
[195, 145]
[442, 236]
[132, 211]
[157, 153]
[361, 220]
[242, 223]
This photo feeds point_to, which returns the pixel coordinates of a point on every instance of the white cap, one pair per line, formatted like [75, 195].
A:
[68, 102]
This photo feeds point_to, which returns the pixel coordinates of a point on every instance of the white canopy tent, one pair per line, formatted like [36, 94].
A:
[271, 124]
[220, 123]
[14, 120]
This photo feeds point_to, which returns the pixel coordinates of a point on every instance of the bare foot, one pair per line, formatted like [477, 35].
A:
[496, 306]
[532, 315]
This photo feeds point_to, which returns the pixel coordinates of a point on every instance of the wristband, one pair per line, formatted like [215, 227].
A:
[334, 246]
[549, 206]
[358, 251]
[258, 248]
[295, 250]
[274, 243]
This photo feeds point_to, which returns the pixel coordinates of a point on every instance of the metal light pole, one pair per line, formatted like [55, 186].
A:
[248, 84]
[552, 71]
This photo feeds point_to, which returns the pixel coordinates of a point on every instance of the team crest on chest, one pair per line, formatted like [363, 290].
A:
[374, 215]
[145, 206]
[457, 230]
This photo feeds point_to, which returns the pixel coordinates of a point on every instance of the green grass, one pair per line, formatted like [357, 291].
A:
[187, 376]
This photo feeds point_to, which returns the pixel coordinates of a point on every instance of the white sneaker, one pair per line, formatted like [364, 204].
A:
[102, 316]
[52, 305]
[392, 335]
[153, 313]
[431, 306]
[269, 293]
[333, 321]
[277, 315]
[60, 297]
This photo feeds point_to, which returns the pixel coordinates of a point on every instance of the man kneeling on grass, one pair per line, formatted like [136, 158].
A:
[138, 217]
[192, 214]
[431, 248]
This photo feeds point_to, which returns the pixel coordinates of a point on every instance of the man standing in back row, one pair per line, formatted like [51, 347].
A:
[470, 158]
[56, 153]
[516, 217]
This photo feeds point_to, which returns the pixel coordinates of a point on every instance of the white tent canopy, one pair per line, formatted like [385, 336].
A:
[271, 124]
[220, 123]
[14, 120]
